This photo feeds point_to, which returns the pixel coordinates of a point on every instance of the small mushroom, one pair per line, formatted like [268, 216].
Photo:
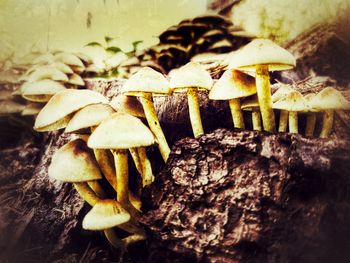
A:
[282, 91]
[47, 73]
[259, 57]
[121, 132]
[69, 59]
[190, 78]
[57, 112]
[42, 90]
[32, 109]
[252, 104]
[127, 104]
[294, 102]
[328, 100]
[232, 86]
[75, 79]
[74, 163]
[143, 84]
[311, 116]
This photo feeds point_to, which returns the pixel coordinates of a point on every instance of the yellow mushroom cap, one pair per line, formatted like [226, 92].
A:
[294, 101]
[262, 51]
[74, 162]
[42, 90]
[191, 75]
[63, 104]
[329, 99]
[75, 79]
[283, 90]
[69, 59]
[146, 80]
[89, 116]
[127, 104]
[250, 103]
[47, 72]
[121, 131]
[105, 214]
[231, 85]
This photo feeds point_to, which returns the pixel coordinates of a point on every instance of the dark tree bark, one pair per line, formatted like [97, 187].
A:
[251, 197]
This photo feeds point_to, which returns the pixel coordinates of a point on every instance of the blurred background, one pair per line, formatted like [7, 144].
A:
[29, 27]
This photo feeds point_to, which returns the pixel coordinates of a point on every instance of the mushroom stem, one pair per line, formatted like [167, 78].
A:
[194, 112]
[293, 122]
[133, 239]
[113, 238]
[256, 119]
[310, 124]
[264, 96]
[96, 187]
[106, 165]
[153, 122]
[327, 124]
[86, 193]
[236, 112]
[136, 158]
[122, 170]
[147, 174]
[283, 121]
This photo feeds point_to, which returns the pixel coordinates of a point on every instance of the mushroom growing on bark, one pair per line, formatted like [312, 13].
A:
[47, 73]
[121, 132]
[252, 104]
[42, 90]
[259, 57]
[294, 102]
[283, 91]
[328, 100]
[57, 112]
[143, 84]
[190, 78]
[232, 86]
[311, 116]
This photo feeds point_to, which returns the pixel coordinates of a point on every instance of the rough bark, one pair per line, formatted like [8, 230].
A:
[251, 197]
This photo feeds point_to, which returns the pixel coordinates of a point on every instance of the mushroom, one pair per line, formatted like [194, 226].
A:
[47, 73]
[143, 84]
[121, 132]
[105, 215]
[259, 57]
[57, 112]
[232, 86]
[32, 109]
[75, 79]
[190, 78]
[42, 90]
[252, 104]
[74, 163]
[311, 117]
[283, 91]
[294, 102]
[328, 100]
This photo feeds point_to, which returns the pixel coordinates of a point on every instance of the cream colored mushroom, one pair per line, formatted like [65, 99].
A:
[252, 104]
[42, 90]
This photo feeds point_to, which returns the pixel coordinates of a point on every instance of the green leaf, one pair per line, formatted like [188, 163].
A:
[94, 44]
[108, 39]
[114, 50]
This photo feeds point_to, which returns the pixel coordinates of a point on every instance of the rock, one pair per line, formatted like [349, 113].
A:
[251, 197]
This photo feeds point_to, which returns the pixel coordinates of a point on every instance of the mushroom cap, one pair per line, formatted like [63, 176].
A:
[10, 107]
[44, 58]
[146, 80]
[191, 75]
[47, 72]
[329, 99]
[63, 103]
[262, 52]
[42, 90]
[231, 85]
[75, 79]
[121, 131]
[89, 116]
[309, 97]
[62, 67]
[69, 59]
[85, 58]
[127, 104]
[283, 90]
[105, 214]
[74, 162]
[293, 101]
[250, 103]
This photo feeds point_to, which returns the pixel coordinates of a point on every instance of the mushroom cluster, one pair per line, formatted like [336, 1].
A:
[51, 73]
[108, 133]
